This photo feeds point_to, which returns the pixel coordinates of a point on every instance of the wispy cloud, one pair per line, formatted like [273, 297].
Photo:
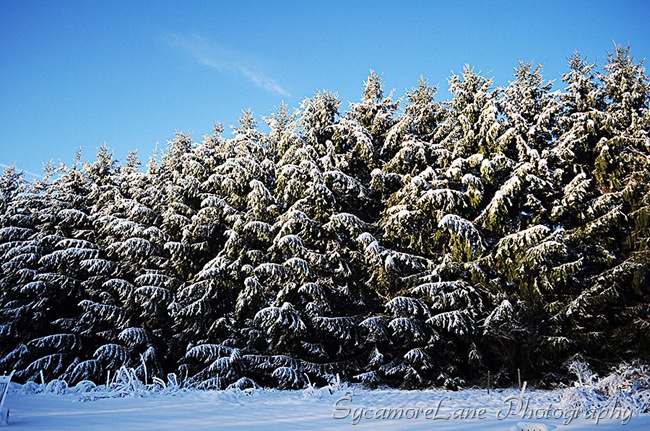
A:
[212, 55]
[31, 174]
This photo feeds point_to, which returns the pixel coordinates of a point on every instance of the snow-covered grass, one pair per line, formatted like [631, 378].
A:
[618, 401]
[314, 408]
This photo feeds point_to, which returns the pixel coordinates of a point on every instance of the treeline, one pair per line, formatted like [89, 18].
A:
[406, 242]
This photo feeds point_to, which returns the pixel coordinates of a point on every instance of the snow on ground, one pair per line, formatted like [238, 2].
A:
[347, 408]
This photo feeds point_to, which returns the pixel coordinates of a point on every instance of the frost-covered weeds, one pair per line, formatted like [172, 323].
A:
[127, 383]
[626, 387]
[124, 383]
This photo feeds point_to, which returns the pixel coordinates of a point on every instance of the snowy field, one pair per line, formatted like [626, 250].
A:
[345, 408]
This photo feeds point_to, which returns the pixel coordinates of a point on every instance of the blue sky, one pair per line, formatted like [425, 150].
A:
[78, 74]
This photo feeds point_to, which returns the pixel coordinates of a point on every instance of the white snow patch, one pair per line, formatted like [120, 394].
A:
[312, 408]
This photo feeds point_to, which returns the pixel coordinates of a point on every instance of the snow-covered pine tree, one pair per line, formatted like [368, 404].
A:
[420, 118]
[470, 125]
[361, 132]
[318, 115]
[582, 119]
[613, 228]
[530, 112]
[12, 182]
[46, 282]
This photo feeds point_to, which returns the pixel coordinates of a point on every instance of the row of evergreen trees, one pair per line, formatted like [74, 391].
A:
[404, 242]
